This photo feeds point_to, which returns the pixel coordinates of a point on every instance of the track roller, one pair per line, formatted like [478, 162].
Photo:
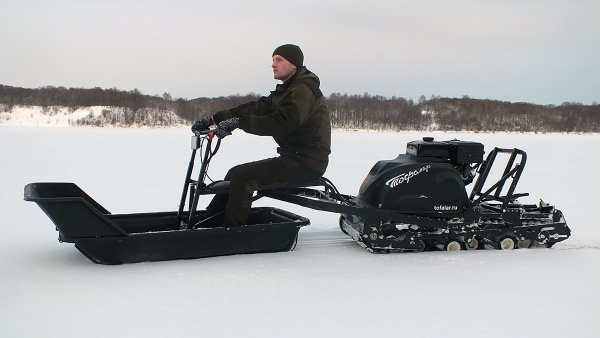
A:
[524, 244]
[472, 244]
[507, 243]
[451, 245]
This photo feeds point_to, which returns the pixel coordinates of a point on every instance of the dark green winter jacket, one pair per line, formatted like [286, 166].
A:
[295, 115]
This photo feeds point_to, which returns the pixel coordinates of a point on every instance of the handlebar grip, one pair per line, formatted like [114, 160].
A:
[205, 132]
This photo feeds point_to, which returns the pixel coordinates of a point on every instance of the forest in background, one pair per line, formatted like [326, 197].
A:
[350, 112]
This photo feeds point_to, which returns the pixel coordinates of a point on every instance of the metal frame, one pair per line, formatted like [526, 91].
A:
[512, 171]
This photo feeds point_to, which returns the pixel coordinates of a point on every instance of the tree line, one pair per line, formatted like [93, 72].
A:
[364, 111]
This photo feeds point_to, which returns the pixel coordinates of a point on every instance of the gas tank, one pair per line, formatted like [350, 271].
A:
[411, 184]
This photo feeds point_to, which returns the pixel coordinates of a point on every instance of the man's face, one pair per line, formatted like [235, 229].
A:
[282, 68]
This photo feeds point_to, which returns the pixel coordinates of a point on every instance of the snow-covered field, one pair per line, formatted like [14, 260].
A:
[328, 286]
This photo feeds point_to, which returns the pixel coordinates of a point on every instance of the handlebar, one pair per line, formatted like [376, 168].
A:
[210, 132]
[200, 139]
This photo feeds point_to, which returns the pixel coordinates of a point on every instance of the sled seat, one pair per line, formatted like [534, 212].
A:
[223, 186]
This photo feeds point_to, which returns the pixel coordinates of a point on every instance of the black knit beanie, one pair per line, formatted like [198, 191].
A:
[292, 53]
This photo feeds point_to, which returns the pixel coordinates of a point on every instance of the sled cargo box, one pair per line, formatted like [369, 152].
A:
[129, 238]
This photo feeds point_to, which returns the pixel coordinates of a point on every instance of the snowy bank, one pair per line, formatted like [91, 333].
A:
[88, 116]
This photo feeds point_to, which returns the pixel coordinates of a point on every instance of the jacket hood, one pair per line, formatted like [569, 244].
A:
[303, 73]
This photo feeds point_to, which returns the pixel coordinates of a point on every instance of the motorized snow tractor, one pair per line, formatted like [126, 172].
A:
[415, 202]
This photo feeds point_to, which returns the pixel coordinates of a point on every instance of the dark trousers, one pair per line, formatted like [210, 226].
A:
[247, 178]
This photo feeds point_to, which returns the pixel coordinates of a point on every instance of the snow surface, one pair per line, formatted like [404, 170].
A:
[327, 286]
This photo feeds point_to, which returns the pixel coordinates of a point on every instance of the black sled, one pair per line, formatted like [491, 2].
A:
[130, 238]
[415, 202]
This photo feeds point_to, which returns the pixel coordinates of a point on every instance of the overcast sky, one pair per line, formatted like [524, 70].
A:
[539, 51]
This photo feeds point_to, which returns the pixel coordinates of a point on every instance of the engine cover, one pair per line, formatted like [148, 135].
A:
[413, 184]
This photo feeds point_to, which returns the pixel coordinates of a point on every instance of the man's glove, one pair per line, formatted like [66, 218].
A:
[226, 127]
[203, 124]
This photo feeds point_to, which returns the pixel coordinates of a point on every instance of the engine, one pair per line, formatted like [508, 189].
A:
[430, 178]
